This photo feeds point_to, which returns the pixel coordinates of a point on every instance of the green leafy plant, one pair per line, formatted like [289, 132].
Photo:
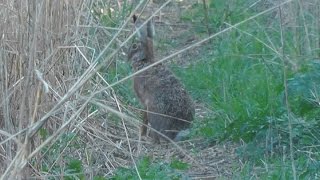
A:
[152, 170]
[73, 167]
[304, 90]
[74, 170]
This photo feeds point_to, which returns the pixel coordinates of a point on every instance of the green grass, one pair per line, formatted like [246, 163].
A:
[242, 90]
[275, 168]
[243, 82]
[248, 96]
[124, 90]
[57, 164]
[153, 170]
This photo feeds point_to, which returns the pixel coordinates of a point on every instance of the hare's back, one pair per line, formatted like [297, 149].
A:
[170, 96]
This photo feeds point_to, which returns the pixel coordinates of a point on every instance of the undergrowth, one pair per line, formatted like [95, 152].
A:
[259, 82]
[240, 77]
[243, 82]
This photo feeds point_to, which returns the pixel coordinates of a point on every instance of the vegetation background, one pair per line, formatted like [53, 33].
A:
[67, 109]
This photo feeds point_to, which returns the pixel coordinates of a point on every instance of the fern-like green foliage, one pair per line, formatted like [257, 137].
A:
[304, 90]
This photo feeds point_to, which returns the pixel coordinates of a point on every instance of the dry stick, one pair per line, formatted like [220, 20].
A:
[118, 106]
[257, 39]
[11, 136]
[5, 101]
[24, 96]
[57, 133]
[87, 75]
[206, 16]
[6, 116]
[24, 115]
[294, 173]
[63, 126]
[46, 84]
[113, 94]
[308, 44]
[110, 142]
[123, 116]
[3, 177]
[133, 119]
[318, 28]
[73, 109]
[102, 27]
[37, 102]
[69, 141]
[92, 69]
[279, 55]
[82, 79]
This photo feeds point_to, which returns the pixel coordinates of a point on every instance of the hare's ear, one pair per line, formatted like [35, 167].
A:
[135, 18]
[145, 35]
[143, 32]
[150, 29]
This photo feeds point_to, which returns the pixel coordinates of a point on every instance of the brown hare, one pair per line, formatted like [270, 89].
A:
[168, 107]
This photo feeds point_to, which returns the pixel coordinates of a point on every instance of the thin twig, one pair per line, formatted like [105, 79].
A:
[294, 173]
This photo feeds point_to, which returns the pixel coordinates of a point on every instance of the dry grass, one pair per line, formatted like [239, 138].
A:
[50, 86]
[45, 70]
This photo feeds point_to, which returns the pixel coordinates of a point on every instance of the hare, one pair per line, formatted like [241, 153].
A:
[168, 107]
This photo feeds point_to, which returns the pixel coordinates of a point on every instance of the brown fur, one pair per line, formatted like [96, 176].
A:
[169, 108]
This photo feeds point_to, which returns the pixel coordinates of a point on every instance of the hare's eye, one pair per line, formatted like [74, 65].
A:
[134, 46]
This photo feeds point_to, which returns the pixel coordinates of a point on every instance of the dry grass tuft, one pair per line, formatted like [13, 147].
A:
[47, 55]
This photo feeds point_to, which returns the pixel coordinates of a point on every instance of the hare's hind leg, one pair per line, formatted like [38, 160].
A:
[161, 124]
[144, 125]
